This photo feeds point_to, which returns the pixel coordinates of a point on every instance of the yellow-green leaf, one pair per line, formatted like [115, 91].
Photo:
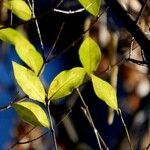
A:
[9, 35]
[29, 55]
[90, 55]
[92, 6]
[19, 8]
[24, 48]
[105, 92]
[32, 113]
[29, 82]
[64, 83]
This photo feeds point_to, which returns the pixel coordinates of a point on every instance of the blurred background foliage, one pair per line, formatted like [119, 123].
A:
[133, 86]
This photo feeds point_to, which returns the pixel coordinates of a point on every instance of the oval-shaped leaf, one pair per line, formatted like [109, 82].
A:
[29, 55]
[64, 83]
[29, 82]
[92, 6]
[90, 55]
[19, 8]
[32, 113]
[24, 48]
[9, 35]
[105, 92]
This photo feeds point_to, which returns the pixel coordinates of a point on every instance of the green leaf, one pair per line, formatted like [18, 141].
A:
[64, 83]
[24, 48]
[105, 92]
[92, 6]
[32, 113]
[29, 82]
[9, 35]
[29, 55]
[19, 8]
[90, 55]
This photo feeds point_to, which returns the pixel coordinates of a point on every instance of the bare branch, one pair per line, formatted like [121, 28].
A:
[138, 62]
[54, 45]
[89, 117]
[52, 127]
[37, 24]
[126, 130]
[130, 25]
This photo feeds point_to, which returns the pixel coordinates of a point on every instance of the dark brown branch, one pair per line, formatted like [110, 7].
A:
[138, 62]
[141, 11]
[130, 25]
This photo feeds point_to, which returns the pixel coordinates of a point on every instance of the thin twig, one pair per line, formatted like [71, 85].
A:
[46, 60]
[126, 130]
[2, 108]
[11, 15]
[32, 7]
[89, 117]
[141, 11]
[121, 61]
[99, 136]
[131, 47]
[54, 45]
[70, 12]
[59, 3]
[52, 127]
[92, 125]
[144, 63]
[87, 112]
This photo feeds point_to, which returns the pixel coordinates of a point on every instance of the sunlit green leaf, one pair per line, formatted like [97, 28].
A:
[32, 113]
[29, 82]
[29, 55]
[90, 55]
[92, 6]
[64, 83]
[19, 8]
[9, 35]
[24, 48]
[105, 92]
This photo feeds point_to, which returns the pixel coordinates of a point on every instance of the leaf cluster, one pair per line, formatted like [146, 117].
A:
[65, 82]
